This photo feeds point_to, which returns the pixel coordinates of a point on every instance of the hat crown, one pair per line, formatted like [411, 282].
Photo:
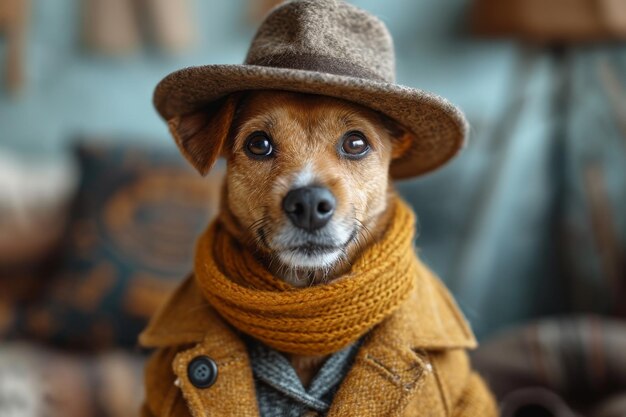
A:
[328, 36]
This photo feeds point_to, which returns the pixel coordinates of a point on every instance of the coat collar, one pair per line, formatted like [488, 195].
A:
[392, 357]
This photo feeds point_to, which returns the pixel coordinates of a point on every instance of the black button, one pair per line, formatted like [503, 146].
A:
[202, 372]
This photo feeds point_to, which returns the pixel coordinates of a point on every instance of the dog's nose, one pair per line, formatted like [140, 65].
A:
[309, 208]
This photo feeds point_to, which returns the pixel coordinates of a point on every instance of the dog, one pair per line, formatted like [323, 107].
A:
[311, 260]
[307, 186]
[320, 188]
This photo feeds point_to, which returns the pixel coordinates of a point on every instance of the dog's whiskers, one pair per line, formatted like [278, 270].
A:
[253, 235]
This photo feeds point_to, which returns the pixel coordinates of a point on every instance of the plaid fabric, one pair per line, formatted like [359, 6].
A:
[579, 360]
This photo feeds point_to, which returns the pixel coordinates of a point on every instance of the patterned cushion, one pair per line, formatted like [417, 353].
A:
[34, 196]
[20, 286]
[130, 241]
[7, 314]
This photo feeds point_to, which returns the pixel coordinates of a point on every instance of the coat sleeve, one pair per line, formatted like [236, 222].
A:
[163, 397]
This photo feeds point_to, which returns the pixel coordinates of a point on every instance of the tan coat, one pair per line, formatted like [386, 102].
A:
[413, 364]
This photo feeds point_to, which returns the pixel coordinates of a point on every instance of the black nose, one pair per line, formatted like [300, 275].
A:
[309, 208]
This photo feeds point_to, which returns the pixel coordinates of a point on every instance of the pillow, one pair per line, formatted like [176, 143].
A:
[34, 197]
[129, 243]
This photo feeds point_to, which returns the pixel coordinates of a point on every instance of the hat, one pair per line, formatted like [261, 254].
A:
[331, 48]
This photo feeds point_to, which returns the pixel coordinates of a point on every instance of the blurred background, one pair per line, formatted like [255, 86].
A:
[98, 212]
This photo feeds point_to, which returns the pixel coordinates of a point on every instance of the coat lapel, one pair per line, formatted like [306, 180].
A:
[384, 377]
[233, 393]
[391, 366]
[186, 319]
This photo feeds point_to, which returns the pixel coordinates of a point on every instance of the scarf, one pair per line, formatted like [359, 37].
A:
[314, 320]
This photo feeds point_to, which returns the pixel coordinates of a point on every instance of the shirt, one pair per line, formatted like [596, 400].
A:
[280, 392]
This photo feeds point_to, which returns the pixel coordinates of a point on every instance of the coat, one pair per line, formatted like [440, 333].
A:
[413, 364]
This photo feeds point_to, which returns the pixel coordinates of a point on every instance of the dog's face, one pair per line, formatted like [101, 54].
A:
[307, 183]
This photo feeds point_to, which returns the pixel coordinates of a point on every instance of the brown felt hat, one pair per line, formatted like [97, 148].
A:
[331, 48]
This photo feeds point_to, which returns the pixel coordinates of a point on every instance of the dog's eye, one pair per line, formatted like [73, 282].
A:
[354, 145]
[258, 144]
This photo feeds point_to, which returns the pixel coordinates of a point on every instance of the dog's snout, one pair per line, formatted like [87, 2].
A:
[309, 208]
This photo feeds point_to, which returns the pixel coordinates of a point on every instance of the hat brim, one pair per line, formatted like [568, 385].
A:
[440, 129]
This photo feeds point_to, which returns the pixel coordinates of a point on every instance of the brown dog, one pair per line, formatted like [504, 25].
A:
[307, 184]
[308, 200]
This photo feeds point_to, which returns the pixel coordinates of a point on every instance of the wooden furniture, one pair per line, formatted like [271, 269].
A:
[171, 23]
[551, 21]
[13, 24]
[109, 26]
[118, 27]
[259, 8]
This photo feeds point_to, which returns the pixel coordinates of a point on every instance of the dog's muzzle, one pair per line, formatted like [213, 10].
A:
[309, 208]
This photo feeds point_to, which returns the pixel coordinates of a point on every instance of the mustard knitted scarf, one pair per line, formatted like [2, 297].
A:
[313, 320]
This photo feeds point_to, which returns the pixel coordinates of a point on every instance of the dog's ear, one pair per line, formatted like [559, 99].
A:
[402, 144]
[401, 138]
[201, 135]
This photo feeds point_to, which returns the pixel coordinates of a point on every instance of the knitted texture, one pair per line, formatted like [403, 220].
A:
[314, 320]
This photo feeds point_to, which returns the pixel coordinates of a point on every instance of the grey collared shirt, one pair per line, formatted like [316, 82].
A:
[279, 390]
